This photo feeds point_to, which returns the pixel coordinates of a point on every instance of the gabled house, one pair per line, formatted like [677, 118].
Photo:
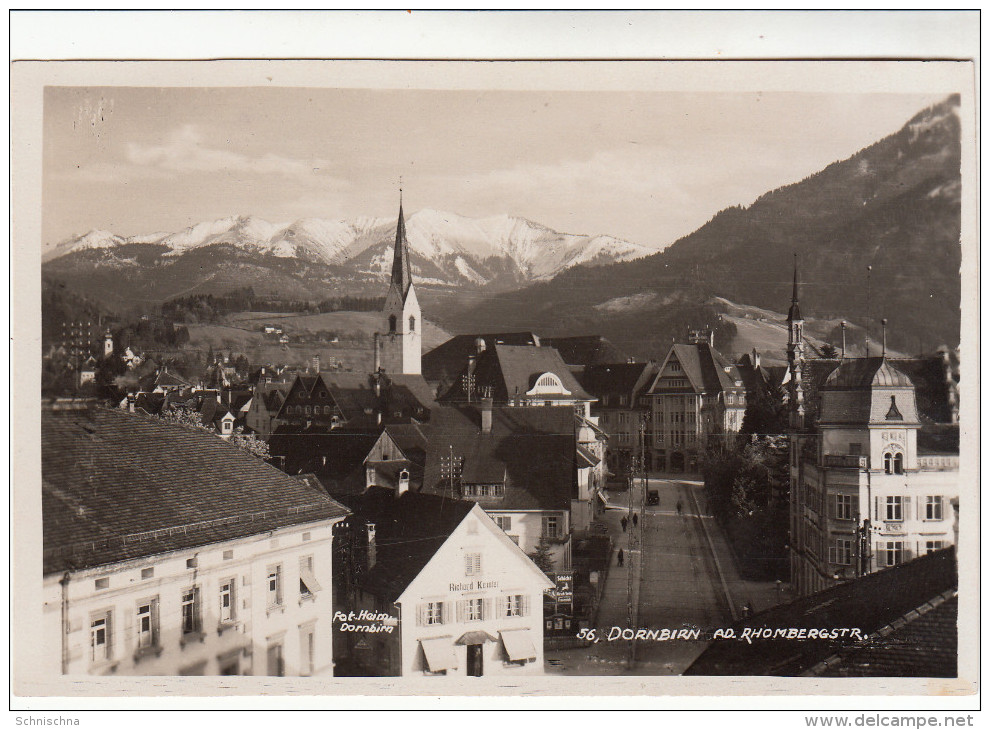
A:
[443, 364]
[696, 395]
[166, 382]
[431, 586]
[525, 466]
[398, 457]
[516, 375]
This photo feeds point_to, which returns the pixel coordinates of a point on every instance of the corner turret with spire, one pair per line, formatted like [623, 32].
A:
[399, 347]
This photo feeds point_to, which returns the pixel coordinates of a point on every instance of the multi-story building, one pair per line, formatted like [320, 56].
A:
[622, 408]
[431, 586]
[695, 396]
[864, 494]
[873, 481]
[168, 551]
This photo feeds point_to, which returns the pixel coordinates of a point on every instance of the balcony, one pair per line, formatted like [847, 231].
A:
[846, 461]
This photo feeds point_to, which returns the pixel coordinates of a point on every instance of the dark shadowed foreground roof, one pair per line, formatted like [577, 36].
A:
[447, 360]
[618, 378]
[585, 349]
[880, 602]
[117, 486]
[409, 530]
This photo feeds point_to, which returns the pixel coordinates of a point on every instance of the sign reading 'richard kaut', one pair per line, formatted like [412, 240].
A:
[473, 585]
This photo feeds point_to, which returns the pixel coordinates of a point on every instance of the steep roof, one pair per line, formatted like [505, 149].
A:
[336, 457]
[115, 485]
[585, 350]
[409, 529]
[870, 603]
[530, 450]
[867, 372]
[167, 379]
[704, 367]
[858, 391]
[412, 440]
[401, 266]
[447, 360]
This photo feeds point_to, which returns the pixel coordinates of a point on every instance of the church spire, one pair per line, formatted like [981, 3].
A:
[401, 269]
[794, 315]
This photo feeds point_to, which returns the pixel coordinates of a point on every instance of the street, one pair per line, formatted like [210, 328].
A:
[683, 578]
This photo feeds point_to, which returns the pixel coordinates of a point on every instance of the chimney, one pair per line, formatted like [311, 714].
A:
[378, 359]
[486, 415]
[842, 324]
[131, 400]
[756, 359]
[883, 329]
[479, 345]
[371, 550]
[403, 483]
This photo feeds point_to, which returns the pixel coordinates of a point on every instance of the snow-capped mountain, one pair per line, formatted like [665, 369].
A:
[447, 249]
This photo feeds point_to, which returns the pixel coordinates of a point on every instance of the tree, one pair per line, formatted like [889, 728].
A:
[182, 416]
[829, 352]
[250, 443]
[542, 556]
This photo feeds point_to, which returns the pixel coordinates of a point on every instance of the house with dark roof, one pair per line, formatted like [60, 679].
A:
[583, 350]
[168, 551]
[866, 492]
[398, 458]
[527, 467]
[696, 395]
[897, 622]
[443, 364]
[430, 587]
[622, 406]
[517, 375]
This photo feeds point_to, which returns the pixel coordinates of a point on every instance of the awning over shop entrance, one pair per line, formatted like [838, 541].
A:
[475, 637]
[439, 653]
[518, 644]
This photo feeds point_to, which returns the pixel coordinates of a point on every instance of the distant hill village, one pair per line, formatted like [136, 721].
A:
[445, 513]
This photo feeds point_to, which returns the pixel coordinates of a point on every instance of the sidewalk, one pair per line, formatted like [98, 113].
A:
[759, 594]
[605, 658]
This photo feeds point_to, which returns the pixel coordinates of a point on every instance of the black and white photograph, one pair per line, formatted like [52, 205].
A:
[451, 378]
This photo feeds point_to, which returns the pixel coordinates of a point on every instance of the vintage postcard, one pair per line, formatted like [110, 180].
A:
[522, 378]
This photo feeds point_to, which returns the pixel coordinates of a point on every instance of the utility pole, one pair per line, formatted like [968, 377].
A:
[636, 542]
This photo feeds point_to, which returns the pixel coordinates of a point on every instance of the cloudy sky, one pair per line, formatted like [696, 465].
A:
[647, 167]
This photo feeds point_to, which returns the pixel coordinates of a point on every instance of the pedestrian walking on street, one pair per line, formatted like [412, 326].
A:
[624, 523]
[635, 519]
[621, 557]
[679, 507]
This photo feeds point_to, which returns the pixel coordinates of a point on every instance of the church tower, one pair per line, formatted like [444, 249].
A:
[795, 356]
[400, 343]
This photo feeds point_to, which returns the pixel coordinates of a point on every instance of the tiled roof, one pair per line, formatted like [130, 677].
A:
[409, 529]
[869, 603]
[531, 450]
[336, 456]
[867, 372]
[412, 440]
[585, 350]
[170, 379]
[118, 486]
[925, 645]
[445, 362]
[860, 391]
[704, 367]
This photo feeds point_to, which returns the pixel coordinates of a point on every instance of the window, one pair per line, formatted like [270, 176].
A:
[894, 509]
[504, 522]
[276, 659]
[551, 526]
[844, 507]
[102, 583]
[434, 613]
[308, 410]
[515, 605]
[475, 609]
[192, 563]
[891, 553]
[308, 586]
[391, 323]
[933, 508]
[675, 367]
[472, 564]
[190, 611]
[228, 554]
[147, 624]
[99, 638]
[412, 324]
[147, 573]
[227, 610]
[840, 552]
[898, 463]
[307, 649]
[274, 586]
[933, 545]
[484, 490]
